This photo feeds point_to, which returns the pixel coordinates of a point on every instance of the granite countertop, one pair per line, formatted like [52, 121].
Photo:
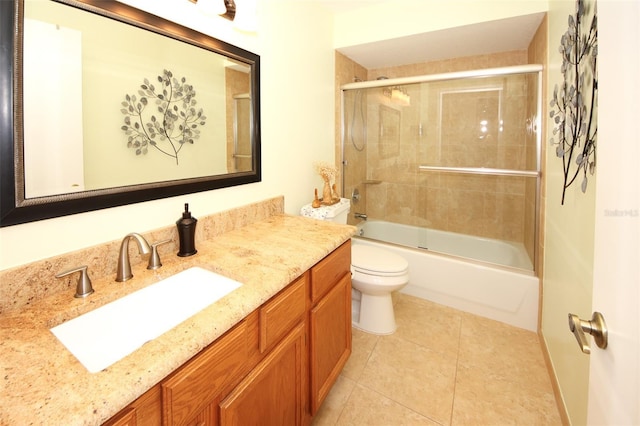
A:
[43, 383]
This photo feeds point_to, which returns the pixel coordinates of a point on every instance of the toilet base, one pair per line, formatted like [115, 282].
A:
[376, 314]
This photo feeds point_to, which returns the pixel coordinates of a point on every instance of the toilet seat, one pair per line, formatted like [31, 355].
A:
[375, 261]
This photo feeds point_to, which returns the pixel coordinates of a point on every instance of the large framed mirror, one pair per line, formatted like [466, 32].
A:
[103, 105]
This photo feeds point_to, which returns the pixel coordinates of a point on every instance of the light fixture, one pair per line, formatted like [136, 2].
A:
[400, 96]
[224, 8]
[230, 5]
[396, 95]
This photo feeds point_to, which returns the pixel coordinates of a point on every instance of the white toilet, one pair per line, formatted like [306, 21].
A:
[375, 273]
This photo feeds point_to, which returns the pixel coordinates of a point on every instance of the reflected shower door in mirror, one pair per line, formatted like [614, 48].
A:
[241, 157]
[113, 105]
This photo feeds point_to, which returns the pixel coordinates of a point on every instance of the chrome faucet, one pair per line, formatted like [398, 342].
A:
[362, 216]
[124, 265]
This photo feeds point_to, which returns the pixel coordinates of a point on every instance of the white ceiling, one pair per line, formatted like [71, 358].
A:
[338, 6]
[478, 39]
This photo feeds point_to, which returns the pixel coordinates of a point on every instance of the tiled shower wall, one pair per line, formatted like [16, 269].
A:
[237, 83]
[346, 72]
[386, 173]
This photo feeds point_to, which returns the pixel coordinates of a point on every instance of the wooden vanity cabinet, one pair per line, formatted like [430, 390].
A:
[192, 394]
[276, 390]
[146, 410]
[282, 312]
[274, 367]
[274, 393]
[329, 321]
[126, 417]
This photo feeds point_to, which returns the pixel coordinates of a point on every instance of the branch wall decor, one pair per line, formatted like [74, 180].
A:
[574, 103]
[176, 123]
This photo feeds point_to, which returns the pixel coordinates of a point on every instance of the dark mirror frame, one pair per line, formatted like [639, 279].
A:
[15, 210]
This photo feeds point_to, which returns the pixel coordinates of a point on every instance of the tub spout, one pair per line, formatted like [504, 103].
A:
[362, 216]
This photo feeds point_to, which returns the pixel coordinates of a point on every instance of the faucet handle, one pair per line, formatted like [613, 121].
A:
[154, 259]
[84, 287]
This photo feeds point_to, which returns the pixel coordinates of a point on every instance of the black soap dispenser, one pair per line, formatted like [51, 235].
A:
[187, 232]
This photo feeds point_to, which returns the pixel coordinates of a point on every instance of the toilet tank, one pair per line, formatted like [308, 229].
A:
[336, 213]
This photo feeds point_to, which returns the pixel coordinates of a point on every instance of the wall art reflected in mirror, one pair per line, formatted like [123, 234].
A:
[109, 105]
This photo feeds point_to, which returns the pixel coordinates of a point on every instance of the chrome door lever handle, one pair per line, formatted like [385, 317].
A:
[596, 327]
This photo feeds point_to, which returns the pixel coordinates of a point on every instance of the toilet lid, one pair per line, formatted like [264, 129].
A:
[375, 260]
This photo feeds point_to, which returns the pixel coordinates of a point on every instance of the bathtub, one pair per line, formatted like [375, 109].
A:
[442, 270]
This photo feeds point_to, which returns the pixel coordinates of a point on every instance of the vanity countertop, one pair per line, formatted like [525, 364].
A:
[43, 383]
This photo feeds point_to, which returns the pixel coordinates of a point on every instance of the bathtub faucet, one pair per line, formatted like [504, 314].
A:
[362, 216]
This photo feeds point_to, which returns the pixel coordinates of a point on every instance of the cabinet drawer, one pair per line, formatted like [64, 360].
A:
[282, 312]
[326, 273]
[146, 410]
[203, 378]
[126, 417]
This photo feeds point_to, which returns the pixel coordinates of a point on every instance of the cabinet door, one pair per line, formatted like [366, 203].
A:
[274, 392]
[330, 326]
[191, 395]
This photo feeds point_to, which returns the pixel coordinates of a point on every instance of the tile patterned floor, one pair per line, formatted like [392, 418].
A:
[442, 367]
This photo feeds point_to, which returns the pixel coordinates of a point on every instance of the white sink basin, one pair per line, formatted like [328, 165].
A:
[105, 335]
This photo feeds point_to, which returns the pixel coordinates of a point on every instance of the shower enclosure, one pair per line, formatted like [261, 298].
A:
[241, 159]
[447, 163]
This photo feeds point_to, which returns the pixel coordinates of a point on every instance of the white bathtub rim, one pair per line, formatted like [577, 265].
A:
[413, 237]
[480, 263]
[517, 304]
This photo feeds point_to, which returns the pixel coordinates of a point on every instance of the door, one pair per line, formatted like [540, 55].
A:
[614, 383]
[55, 167]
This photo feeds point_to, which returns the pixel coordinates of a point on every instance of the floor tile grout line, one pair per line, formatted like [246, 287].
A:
[459, 320]
[455, 375]
[397, 402]
[378, 338]
[460, 364]
[346, 401]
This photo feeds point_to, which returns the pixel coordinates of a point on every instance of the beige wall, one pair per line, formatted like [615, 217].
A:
[568, 248]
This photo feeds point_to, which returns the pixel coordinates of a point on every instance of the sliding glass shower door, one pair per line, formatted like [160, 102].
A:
[455, 156]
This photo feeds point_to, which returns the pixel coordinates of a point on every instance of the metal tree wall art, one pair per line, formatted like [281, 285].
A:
[574, 103]
[172, 120]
